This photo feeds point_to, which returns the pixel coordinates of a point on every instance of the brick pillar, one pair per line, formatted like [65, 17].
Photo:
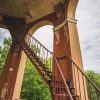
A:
[61, 45]
[78, 80]
[10, 86]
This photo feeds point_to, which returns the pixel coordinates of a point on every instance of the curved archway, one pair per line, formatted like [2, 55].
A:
[38, 25]
[43, 31]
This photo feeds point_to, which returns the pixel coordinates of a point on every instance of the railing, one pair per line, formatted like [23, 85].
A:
[83, 84]
[46, 56]
[43, 53]
[59, 82]
[57, 76]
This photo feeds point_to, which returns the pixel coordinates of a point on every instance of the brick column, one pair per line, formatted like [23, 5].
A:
[10, 86]
[78, 80]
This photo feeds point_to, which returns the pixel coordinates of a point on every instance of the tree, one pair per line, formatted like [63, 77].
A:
[34, 88]
[4, 52]
[95, 77]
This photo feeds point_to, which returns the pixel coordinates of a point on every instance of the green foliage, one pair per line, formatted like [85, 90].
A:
[95, 77]
[4, 52]
[34, 88]
[7, 42]
[35, 48]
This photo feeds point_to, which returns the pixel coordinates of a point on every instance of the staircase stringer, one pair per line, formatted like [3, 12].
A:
[39, 71]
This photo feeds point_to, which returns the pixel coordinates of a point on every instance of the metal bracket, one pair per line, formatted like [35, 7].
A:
[72, 20]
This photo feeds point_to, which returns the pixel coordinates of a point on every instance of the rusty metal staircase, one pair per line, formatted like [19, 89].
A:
[41, 58]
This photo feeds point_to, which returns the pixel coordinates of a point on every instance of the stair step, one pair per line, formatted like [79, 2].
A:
[61, 87]
[72, 90]
[75, 97]
[33, 60]
[47, 72]
[42, 65]
[39, 64]
[45, 69]
[60, 94]
[36, 60]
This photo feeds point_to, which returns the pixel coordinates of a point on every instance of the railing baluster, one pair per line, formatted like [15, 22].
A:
[75, 78]
[40, 51]
[84, 76]
[43, 55]
[88, 90]
[79, 84]
[84, 86]
[50, 62]
[47, 59]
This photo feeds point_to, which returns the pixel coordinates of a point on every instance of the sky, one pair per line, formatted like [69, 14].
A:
[88, 16]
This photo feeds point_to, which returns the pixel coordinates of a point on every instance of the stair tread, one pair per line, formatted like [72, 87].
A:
[61, 87]
[65, 95]
[58, 87]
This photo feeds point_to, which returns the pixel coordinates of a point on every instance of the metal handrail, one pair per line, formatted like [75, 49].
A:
[83, 73]
[62, 76]
[40, 43]
[78, 69]
[58, 66]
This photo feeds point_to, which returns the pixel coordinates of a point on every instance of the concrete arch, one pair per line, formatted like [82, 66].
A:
[38, 25]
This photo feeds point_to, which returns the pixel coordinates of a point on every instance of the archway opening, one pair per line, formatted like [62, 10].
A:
[45, 36]
[37, 89]
[5, 43]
